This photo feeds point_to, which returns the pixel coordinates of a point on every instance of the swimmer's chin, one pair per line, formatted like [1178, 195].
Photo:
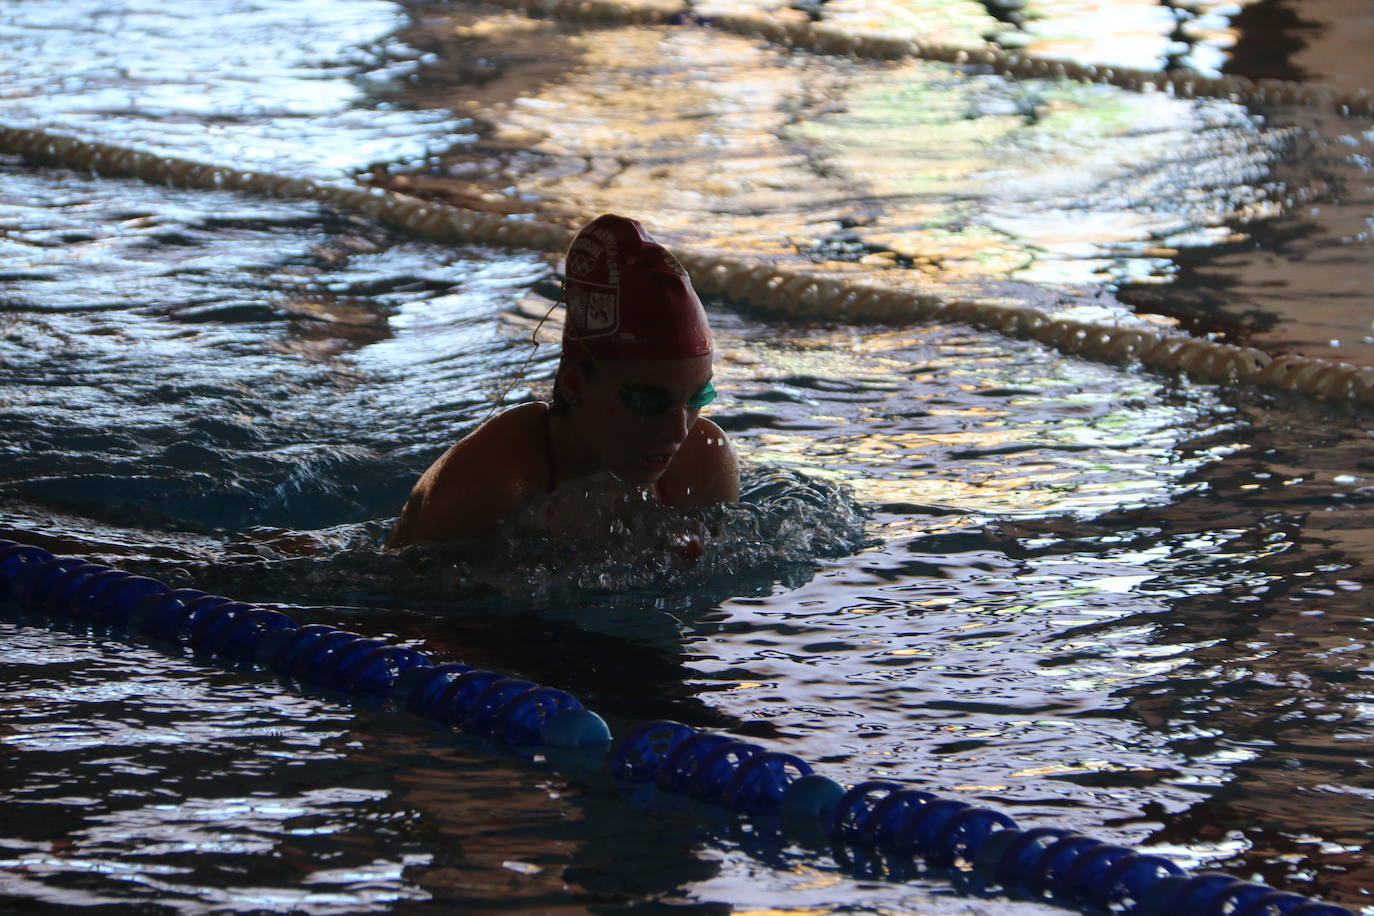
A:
[655, 464]
[645, 473]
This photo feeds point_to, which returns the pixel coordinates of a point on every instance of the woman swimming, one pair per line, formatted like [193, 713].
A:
[634, 374]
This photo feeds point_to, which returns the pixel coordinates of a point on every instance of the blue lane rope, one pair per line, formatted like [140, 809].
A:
[1045, 863]
[484, 703]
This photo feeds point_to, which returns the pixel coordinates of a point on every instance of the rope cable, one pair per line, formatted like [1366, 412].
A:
[833, 38]
[787, 292]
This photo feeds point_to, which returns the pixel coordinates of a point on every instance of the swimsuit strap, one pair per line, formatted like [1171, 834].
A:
[548, 450]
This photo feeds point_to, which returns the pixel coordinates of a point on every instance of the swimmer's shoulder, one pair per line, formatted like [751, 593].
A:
[511, 448]
[493, 470]
[705, 470]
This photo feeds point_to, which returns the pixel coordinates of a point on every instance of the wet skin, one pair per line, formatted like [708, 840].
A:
[503, 464]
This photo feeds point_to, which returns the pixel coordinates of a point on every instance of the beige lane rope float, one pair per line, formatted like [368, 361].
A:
[832, 38]
[440, 222]
[791, 293]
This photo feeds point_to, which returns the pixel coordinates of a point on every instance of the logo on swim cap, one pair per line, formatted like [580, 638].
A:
[602, 314]
[581, 262]
[628, 297]
[673, 264]
[593, 307]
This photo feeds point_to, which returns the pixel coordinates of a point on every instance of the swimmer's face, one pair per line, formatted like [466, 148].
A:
[637, 413]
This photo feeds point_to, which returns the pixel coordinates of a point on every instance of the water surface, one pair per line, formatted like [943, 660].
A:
[1086, 595]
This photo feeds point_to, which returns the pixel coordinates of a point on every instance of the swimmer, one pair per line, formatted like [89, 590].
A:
[634, 375]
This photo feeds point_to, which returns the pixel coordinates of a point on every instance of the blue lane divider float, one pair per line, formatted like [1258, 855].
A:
[484, 703]
[1045, 863]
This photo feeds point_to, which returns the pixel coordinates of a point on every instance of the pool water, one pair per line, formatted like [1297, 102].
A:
[1086, 595]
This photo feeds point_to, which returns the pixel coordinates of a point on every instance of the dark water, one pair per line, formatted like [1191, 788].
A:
[1088, 596]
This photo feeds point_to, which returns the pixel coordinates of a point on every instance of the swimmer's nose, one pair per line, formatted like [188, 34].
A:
[673, 426]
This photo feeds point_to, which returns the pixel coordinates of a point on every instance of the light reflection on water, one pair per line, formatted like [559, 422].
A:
[1057, 195]
[946, 423]
[1101, 599]
[281, 86]
[908, 173]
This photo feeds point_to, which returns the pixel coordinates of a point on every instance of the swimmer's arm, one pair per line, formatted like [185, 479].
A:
[471, 488]
[445, 511]
[705, 470]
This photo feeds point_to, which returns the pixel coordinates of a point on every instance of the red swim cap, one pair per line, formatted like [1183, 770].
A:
[628, 298]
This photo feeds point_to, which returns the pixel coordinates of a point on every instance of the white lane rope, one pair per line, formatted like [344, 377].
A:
[792, 293]
[834, 38]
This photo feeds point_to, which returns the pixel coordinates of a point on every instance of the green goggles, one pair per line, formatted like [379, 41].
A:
[652, 401]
